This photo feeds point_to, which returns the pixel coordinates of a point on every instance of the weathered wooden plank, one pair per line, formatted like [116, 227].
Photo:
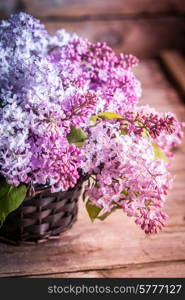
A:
[101, 7]
[157, 90]
[143, 38]
[111, 244]
[7, 7]
[158, 269]
[175, 65]
[117, 242]
[163, 269]
[149, 69]
[140, 36]
[85, 274]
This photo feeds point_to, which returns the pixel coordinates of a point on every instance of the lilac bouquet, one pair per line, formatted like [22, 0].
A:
[69, 108]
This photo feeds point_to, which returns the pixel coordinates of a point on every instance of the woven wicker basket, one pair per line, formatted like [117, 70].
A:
[42, 216]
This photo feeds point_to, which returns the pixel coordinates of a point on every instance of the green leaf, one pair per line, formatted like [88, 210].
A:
[93, 211]
[145, 133]
[125, 192]
[105, 215]
[106, 115]
[11, 198]
[76, 136]
[79, 144]
[124, 131]
[159, 153]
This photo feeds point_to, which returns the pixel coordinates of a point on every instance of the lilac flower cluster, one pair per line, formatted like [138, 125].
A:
[127, 174]
[50, 84]
[37, 108]
[96, 67]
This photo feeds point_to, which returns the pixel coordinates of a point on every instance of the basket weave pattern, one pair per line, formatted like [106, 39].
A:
[43, 216]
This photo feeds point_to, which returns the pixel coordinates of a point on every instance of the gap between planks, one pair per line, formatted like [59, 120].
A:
[111, 17]
[102, 7]
[106, 269]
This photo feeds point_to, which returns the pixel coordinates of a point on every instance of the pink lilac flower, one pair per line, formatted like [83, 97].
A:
[165, 129]
[96, 67]
[50, 83]
[144, 120]
[127, 175]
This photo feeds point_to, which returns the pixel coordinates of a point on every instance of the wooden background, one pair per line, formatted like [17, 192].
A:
[115, 247]
[142, 27]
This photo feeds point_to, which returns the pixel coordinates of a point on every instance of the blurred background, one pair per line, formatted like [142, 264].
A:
[141, 27]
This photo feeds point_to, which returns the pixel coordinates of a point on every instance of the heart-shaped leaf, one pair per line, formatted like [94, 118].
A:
[76, 136]
[93, 211]
[11, 198]
[159, 153]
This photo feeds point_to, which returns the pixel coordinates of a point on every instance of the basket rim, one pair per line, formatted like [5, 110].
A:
[37, 189]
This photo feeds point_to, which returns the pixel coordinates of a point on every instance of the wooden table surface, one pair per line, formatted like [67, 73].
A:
[115, 247]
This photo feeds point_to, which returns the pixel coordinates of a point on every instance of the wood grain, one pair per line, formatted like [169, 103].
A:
[115, 247]
[101, 7]
[158, 269]
[115, 243]
[143, 27]
[143, 38]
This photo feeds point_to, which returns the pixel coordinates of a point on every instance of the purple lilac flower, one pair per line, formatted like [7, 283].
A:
[50, 83]
[96, 67]
[37, 109]
[127, 175]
